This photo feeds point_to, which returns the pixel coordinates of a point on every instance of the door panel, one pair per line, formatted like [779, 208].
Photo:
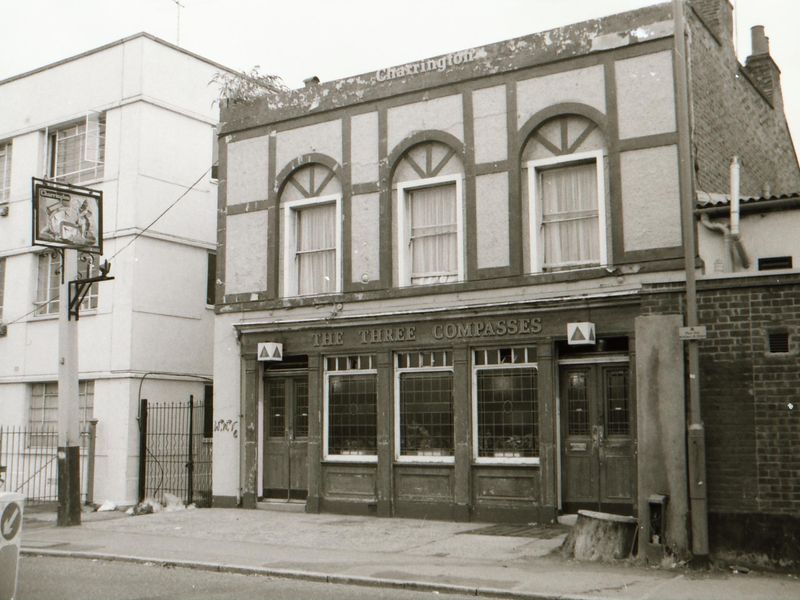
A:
[285, 457]
[597, 447]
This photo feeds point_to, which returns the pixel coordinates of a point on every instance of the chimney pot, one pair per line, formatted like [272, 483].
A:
[311, 81]
[760, 42]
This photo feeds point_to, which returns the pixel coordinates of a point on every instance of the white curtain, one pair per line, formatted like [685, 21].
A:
[316, 249]
[569, 216]
[433, 240]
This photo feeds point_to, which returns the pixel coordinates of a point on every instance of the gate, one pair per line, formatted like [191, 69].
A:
[174, 452]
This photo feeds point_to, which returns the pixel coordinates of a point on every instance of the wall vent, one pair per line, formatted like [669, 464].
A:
[774, 262]
[779, 342]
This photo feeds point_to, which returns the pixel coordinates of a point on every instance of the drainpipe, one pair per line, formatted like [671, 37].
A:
[736, 242]
[698, 505]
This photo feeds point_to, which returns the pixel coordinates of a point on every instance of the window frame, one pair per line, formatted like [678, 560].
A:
[6, 156]
[346, 458]
[86, 389]
[43, 302]
[97, 173]
[290, 275]
[398, 372]
[3, 268]
[498, 460]
[404, 260]
[536, 240]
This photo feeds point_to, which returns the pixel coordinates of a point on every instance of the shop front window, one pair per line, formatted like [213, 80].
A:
[351, 408]
[424, 409]
[506, 408]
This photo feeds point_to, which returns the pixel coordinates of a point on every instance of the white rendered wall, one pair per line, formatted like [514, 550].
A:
[159, 112]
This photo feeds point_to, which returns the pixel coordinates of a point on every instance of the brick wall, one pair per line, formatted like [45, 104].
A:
[730, 116]
[750, 397]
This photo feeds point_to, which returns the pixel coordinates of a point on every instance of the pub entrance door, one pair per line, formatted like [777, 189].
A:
[285, 449]
[598, 463]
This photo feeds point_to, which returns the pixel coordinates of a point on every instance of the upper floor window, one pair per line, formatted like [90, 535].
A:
[566, 188]
[430, 216]
[49, 280]
[2, 284]
[77, 151]
[5, 171]
[312, 232]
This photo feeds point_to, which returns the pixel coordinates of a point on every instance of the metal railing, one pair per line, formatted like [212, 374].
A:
[29, 462]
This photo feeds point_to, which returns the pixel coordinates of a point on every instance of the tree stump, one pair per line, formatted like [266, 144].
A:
[599, 536]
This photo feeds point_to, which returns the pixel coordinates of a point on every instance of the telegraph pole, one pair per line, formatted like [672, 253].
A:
[698, 507]
[69, 481]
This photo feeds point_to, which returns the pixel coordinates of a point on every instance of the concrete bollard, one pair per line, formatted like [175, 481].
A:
[11, 506]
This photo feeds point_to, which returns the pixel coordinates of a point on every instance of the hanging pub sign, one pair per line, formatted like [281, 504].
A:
[270, 351]
[67, 216]
[580, 334]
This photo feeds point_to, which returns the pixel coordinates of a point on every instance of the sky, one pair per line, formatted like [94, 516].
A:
[338, 38]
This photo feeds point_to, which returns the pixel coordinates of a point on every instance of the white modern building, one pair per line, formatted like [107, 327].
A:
[135, 119]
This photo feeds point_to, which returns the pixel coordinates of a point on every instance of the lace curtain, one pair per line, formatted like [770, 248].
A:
[569, 216]
[316, 250]
[431, 215]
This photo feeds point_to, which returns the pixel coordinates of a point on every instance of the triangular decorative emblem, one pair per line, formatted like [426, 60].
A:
[581, 334]
[270, 351]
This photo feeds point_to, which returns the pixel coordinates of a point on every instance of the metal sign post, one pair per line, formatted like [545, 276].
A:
[70, 219]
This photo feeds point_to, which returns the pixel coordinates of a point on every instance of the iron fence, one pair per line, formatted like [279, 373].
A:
[175, 452]
[29, 462]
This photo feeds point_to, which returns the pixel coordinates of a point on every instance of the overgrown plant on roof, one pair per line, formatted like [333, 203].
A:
[246, 86]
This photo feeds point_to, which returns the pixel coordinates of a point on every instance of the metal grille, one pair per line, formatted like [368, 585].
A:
[277, 402]
[300, 424]
[617, 417]
[29, 462]
[507, 413]
[577, 404]
[426, 414]
[352, 414]
[175, 457]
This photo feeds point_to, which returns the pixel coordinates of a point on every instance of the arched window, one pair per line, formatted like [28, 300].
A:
[564, 158]
[311, 206]
[428, 182]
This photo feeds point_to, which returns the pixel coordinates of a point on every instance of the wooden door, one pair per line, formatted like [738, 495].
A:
[286, 437]
[598, 466]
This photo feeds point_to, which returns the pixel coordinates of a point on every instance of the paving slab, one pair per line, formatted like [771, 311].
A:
[435, 555]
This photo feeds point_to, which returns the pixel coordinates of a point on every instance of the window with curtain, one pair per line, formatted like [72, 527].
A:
[431, 215]
[569, 218]
[77, 151]
[315, 253]
[5, 171]
[49, 280]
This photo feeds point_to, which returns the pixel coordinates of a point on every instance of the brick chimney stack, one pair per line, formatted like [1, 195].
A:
[763, 70]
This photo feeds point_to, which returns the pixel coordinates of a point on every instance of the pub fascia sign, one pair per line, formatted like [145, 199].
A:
[439, 64]
[440, 331]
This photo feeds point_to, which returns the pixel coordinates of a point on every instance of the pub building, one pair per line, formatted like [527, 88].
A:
[437, 283]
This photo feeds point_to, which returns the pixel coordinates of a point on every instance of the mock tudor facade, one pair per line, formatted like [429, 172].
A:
[458, 258]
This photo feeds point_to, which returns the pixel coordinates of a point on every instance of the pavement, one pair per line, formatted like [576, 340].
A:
[280, 540]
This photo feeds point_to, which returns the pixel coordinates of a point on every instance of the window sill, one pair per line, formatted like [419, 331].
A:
[351, 458]
[507, 460]
[54, 316]
[422, 459]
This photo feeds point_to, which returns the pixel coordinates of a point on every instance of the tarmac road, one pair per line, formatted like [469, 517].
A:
[52, 578]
